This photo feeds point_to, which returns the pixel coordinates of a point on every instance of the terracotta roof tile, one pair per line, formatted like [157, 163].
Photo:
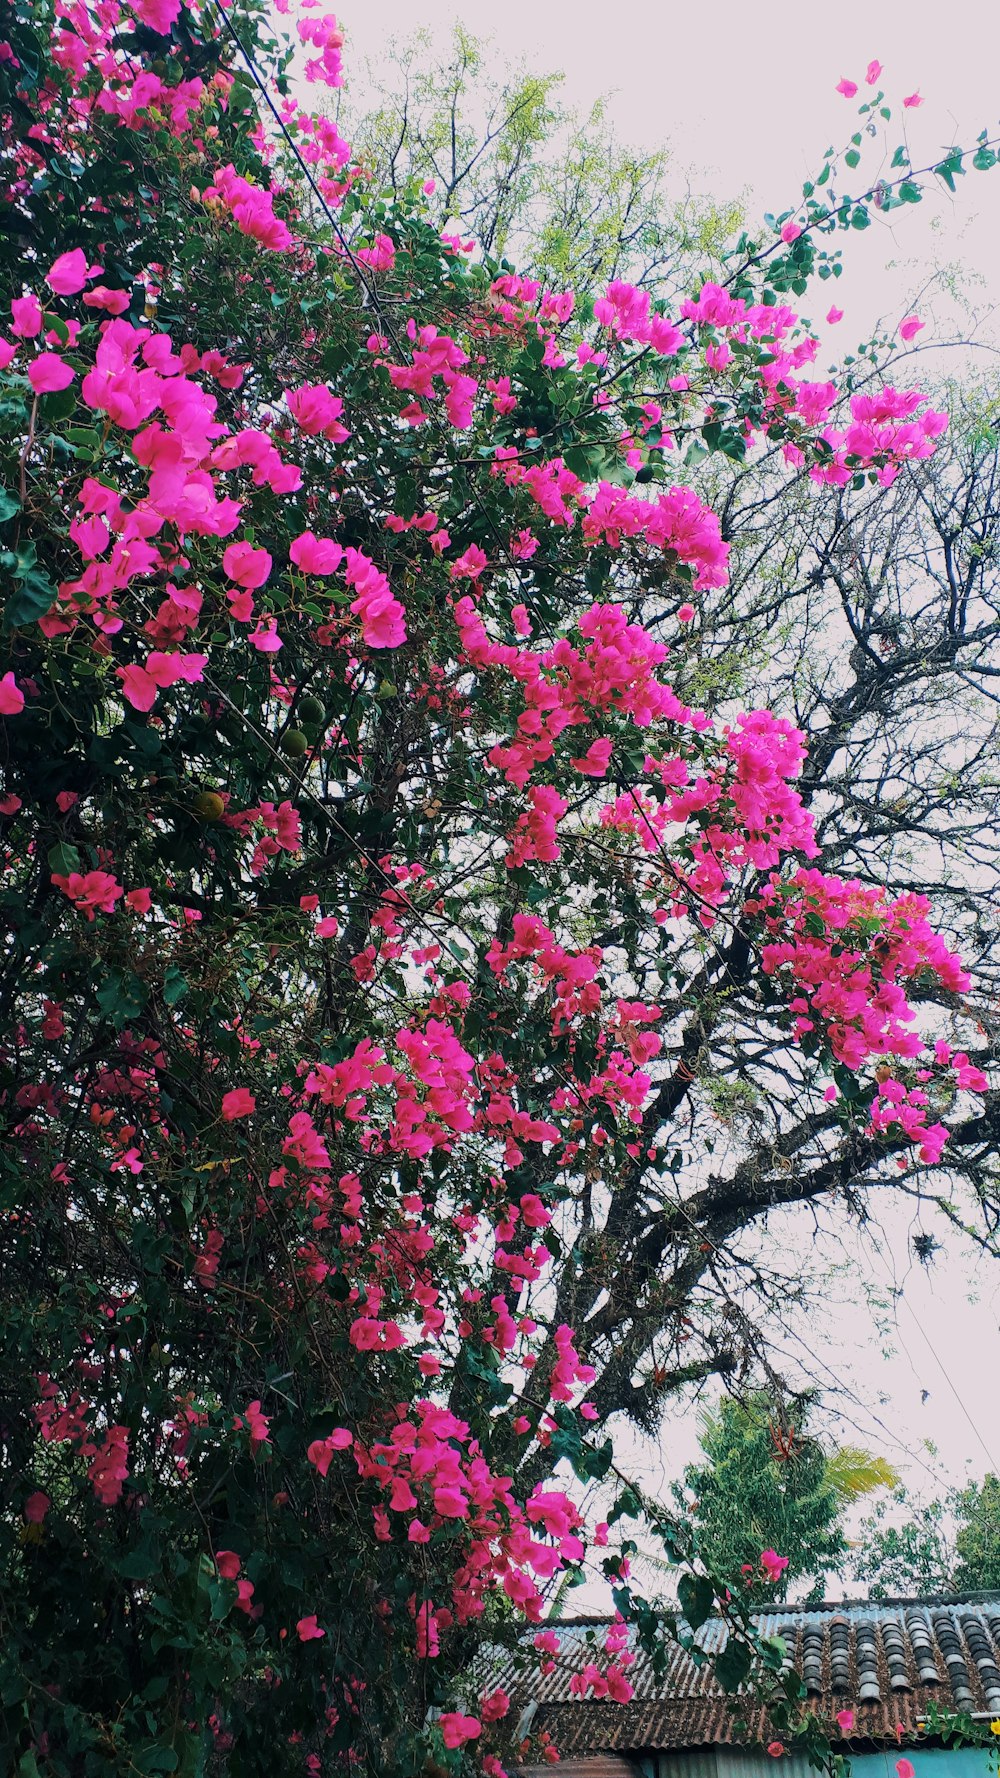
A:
[885, 1662]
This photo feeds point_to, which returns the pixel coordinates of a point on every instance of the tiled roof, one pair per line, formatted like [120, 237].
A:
[884, 1662]
[594, 1765]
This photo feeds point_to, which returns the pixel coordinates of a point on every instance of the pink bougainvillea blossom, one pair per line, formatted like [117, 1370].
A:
[11, 696]
[773, 1565]
[48, 373]
[238, 1102]
[247, 566]
[70, 272]
[457, 1730]
[94, 891]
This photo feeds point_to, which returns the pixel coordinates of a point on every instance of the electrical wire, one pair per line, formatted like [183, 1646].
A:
[899, 1297]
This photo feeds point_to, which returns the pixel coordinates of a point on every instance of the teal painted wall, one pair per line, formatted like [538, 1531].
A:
[728, 1762]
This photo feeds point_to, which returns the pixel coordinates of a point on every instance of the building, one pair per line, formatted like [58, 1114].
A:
[887, 1663]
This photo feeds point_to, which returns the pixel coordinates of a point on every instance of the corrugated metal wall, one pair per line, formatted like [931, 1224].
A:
[731, 1762]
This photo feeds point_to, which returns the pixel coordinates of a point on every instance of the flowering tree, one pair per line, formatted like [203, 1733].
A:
[493, 149]
[367, 875]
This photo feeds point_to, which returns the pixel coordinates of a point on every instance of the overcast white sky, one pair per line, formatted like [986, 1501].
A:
[746, 98]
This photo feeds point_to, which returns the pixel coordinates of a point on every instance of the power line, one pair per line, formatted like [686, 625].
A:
[898, 1297]
[952, 1386]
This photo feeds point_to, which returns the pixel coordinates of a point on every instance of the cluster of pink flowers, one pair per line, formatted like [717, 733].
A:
[435, 356]
[252, 209]
[845, 949]
[66, 1423]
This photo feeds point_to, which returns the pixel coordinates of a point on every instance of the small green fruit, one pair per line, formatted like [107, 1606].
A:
[294, 743]
[311, 711]
[209, 806]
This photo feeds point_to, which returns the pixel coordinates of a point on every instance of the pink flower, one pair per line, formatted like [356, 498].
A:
[258, 1424]
[872, 72]
[833, 315]
[138, 900]
[904, 1767]
[8, 350]
[495, 1706]
[26, 317]
[790, 233]
[92, 891]
[247, 566]
[49, 372]
[521, 621]
[317, 411]
[595, 762]
[315, 555]
[912, 100]
[70, 272]
[685, 614]
[240, 1102]
[470, 564]
[773, 1565]
[228, 1564]
[847, 87]
[429, 187]
[320, 1452]
[775, 1749]
[845, 1721]
[244, 1589]
[35, 1508]
[138, 689]
[113, 302]
[458, 1729]
[11, 696]
[140, 685]
[308, 1629]
[159, 15]
[909, 328]
[381, 257]
[265, 638]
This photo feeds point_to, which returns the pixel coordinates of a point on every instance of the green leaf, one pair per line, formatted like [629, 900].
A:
[627, 1506]
[9, 505]
[697, 1598]
[175, 985]
[138, 1564]
[63, 859]
[30, 600]
[59, 405]
[852, 157]
[157, 1758]
[732, 1665]
[121, 997]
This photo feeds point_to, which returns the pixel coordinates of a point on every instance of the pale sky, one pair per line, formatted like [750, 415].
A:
[745, 97]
